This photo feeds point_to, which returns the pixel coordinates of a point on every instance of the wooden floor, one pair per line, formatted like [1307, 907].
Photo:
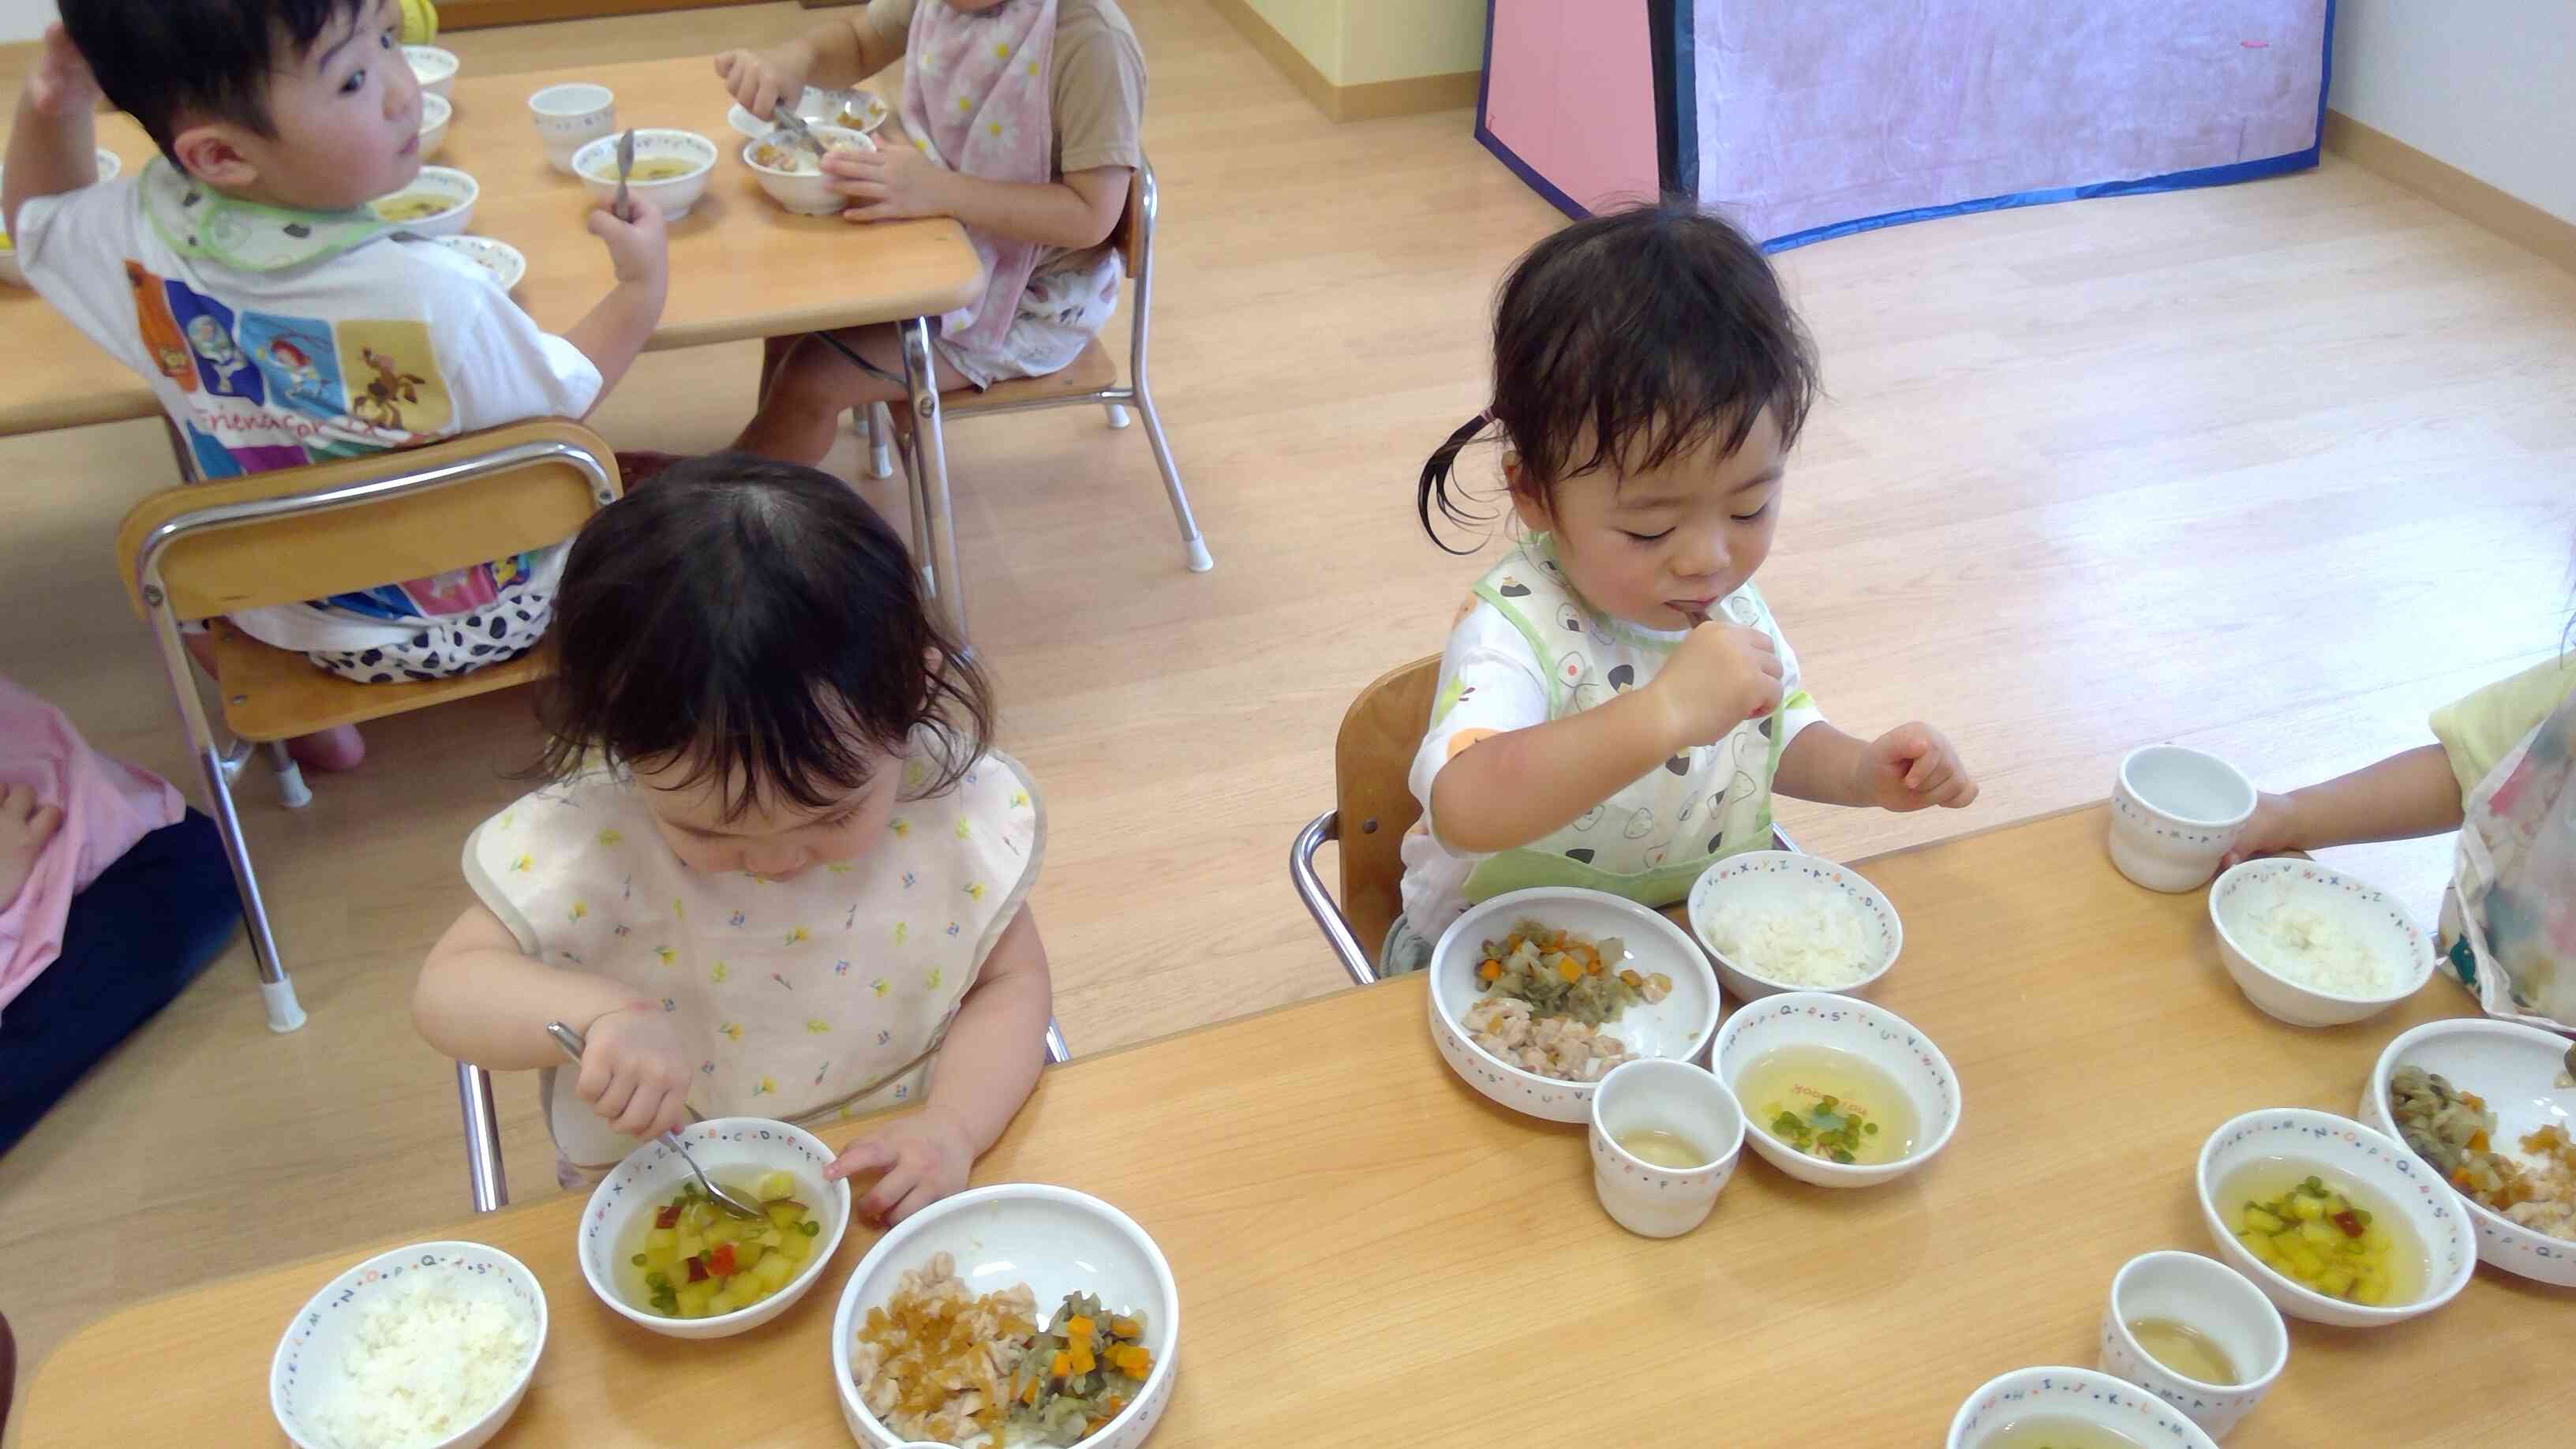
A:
[2270, 469]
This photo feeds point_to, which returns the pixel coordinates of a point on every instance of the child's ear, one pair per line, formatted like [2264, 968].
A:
[212, 153]
[1526, 504]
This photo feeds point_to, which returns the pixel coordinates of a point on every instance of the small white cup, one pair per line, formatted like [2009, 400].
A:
[570, 117]
[2213, 1298]
[1676, 1097]
[2174, 815]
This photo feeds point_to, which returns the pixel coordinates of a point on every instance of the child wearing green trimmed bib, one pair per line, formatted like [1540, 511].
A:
[1617, 706]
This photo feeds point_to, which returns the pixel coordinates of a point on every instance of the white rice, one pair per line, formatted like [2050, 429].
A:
[423, 1364]
[2310, 949]
[1803, 945]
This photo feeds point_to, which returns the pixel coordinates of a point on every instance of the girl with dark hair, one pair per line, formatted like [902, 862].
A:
[776, 868]
[1616, 707]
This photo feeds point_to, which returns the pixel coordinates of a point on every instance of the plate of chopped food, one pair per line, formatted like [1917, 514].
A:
[1537, 994]
[429, 1346]
[2489, 1106]
[1779, 920]
[2313, 946]
[1018, 1316]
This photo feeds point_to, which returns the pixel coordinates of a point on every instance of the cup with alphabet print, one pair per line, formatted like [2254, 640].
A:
[1665, 1138]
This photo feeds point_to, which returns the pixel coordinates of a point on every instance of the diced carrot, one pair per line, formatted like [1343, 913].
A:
[1567, 970]
[1080, 1349]
[1592, 967]
[2478, 1140]
[1125, 1328]
[1078, 1328]
[1630, 976]
[1490, 972]
[1061, 1366]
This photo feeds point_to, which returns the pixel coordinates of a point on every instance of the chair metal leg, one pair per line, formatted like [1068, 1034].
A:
[1319, 902]
[930, 468]
[291, 791]
[919, 511]
[1117, 416]
[1057, 1051]
[486, 1184]
[1192, 543]
[880, 442]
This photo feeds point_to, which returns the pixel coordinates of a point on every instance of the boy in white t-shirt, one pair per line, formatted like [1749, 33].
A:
[281, 322]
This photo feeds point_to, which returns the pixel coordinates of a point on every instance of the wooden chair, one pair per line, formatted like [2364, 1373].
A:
[205, 550]
[1091, 378]
[1373, 806]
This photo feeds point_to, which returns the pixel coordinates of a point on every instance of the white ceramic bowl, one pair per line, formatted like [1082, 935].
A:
[2071, 1393]
[569, 117]
[723, 1146]
[435, 113]
[1055, 1240]
[2174, 814]
[108, 167]
[815, 108]
[2354, 1153]
[1788, 880]
[806, 195]
[2224, 1306]
[2402, 950]
[1872, 1033]
[435, 68]
[2514, 1068]
[1677, 1028]
[450, 185]
[304, 1376]
[596, 165]
[500, 259]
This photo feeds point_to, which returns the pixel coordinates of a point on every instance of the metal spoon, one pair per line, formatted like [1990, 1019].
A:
[787, 120]
[622, 208]
[732, 1206]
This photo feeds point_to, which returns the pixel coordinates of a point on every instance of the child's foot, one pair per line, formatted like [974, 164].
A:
[337, 748]
[26, 828]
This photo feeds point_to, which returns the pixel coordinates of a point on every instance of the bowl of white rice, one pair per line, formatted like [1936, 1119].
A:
[1777, 920]
[429, 1346]
[2313, 946]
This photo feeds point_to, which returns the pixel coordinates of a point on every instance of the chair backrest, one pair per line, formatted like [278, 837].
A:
[304, 533]
[1371, 798]
[1134, 233]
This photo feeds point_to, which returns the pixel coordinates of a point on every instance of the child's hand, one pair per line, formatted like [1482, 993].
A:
[891, 183]
[61, 84]
[635, 1071]
[924, 1157]
[638, 249]
[1910, 767]
[1720, 675]
[2273, 829]
[760, 79]
[26, 828]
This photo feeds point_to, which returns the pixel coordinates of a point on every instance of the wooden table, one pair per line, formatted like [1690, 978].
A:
[1370, 1254]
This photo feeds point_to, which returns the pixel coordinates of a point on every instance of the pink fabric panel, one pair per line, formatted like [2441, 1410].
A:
[1570, 90]
[1813, 112]
[106, 805]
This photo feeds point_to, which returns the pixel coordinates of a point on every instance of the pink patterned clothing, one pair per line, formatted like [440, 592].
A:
[976, 99]
[107, 806]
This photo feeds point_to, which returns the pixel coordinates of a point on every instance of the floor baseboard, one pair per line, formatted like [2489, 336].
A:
[2447, 186]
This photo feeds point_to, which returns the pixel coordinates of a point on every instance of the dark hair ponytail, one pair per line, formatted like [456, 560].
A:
[1434, 487]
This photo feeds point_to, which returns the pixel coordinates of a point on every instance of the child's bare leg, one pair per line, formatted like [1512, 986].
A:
[773, 351]
[340, 747]
[815, 383]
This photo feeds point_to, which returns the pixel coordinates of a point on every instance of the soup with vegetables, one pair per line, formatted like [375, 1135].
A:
[688, 1258]
[2058, 1431]
[2324, 1234]
[1828, 1104]
[410, 206]
[656, 168]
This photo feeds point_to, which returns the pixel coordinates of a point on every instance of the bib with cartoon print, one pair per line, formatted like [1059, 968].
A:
[2509, 918]
[205, 225]
[1649, 841]
[829, 992]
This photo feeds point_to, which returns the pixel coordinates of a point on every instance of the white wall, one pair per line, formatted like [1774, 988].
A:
[24, 19]
[2488, 86]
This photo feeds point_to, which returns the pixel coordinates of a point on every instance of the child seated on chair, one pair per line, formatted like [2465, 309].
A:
[1020, 119]
[778, 869]
[278, 320]
[1616, 706]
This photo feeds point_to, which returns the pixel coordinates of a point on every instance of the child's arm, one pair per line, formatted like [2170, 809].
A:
[1506, 791]
[481, 999]
[838, 52]
[615, 332]
[983, 1072]
[54, 148]
[2400, 798]
[1908, 768]
[897, 181]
